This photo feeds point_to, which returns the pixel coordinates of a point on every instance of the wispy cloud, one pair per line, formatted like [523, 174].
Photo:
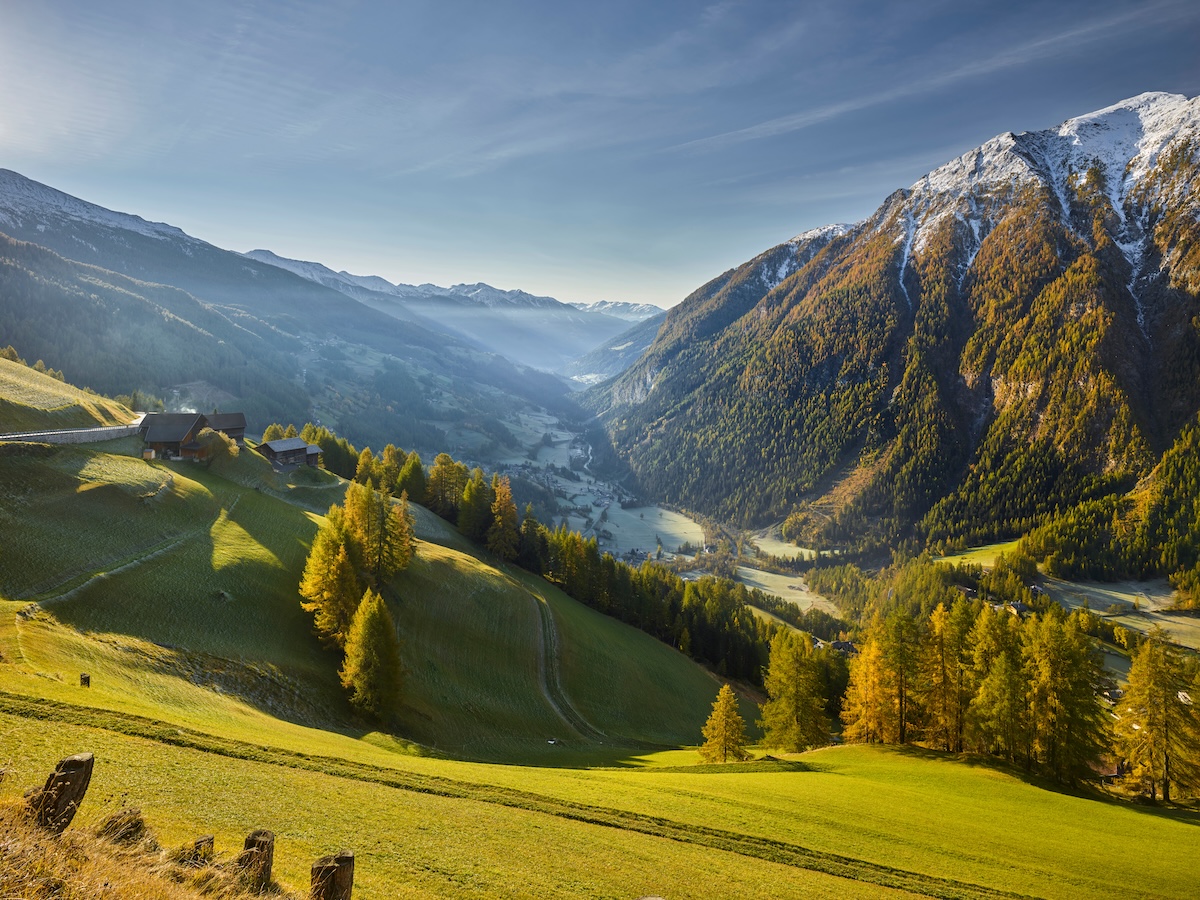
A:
[1010, 58]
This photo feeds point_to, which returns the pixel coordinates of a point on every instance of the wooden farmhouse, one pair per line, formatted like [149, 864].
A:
[174, 435]
[290, 452]
[232, 425]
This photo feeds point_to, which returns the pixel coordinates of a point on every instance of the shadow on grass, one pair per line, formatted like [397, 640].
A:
[1188, 815]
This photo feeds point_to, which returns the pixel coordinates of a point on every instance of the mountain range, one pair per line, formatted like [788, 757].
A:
[1015, 333]
[540, 332]
[121, 304]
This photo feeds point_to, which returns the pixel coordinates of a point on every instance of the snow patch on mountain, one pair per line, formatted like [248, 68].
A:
[1123, 142]
[825, 232]
[24, 200]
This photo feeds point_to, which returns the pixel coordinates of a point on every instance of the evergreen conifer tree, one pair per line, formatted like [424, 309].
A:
[1156, 729]
[1062, 670]
[412, 478]
[867, 712]
[372, 670]
[330, 586]
[725, 731]
[503, 539]
[794, 716]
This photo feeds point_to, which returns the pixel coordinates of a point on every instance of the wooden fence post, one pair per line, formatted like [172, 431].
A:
[85, 680]
[55, 805]
[204, 848]
[258, 858]
[333, 876]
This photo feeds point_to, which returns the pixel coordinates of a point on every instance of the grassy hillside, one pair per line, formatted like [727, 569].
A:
[851, 821]
[214, 709]
[174, 586]
[33, 401]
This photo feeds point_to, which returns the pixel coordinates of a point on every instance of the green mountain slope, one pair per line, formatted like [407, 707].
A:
[33, 401]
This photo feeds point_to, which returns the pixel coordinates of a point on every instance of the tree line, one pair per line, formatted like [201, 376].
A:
[963, 660]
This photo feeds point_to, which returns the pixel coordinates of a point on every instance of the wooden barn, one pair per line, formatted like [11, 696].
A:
[232, 425]
[174, 435]
[290, 452]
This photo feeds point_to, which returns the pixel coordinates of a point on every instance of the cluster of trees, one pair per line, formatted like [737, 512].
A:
[483, 509]
[10, 353]
[963, 675]
[360, 545]
[710, 619]
[972, 678]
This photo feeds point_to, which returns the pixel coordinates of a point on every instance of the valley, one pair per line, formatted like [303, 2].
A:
[869, 569]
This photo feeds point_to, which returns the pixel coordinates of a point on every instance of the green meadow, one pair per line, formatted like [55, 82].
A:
[31, 401]
[542, 750]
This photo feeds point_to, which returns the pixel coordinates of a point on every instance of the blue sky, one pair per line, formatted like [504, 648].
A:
[611, 150]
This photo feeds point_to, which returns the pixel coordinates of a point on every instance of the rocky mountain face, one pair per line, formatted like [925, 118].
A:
[1014, 333]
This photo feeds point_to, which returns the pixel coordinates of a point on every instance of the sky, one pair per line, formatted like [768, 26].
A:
[606, 150]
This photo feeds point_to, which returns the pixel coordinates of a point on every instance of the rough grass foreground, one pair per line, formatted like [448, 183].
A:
[789, 856]
[120, 858]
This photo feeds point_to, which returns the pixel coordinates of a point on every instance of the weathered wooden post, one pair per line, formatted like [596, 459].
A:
[55, 805]
[204, 848]
[258, 857]
[333, 876]
[85, 680]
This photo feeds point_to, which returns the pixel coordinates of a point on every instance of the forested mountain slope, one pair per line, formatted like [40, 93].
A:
[121, 304]
[1015, 332]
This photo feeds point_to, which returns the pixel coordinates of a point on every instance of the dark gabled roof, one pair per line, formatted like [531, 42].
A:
[283, 445]
[223, 421]
[168, 428]
[313, 449]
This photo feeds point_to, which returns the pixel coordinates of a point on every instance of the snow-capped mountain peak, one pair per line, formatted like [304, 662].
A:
[1123, 141]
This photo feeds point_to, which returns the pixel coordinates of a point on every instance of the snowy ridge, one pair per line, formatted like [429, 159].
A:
[630, 312]
[799, 250]
[489, 296]
[23, 200]
[1123, 141]
[825, 232]
[479, 293]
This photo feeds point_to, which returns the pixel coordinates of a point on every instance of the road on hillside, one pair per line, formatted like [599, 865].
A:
[549, 675]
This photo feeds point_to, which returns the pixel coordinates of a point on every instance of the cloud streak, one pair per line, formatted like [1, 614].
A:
[1010, 58]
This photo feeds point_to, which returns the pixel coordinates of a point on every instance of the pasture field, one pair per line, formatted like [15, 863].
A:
[879, 818]
[792, 588]
[1137, 605]
[983, 555]
[769, 541]
[33, 401]
[638, 527]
